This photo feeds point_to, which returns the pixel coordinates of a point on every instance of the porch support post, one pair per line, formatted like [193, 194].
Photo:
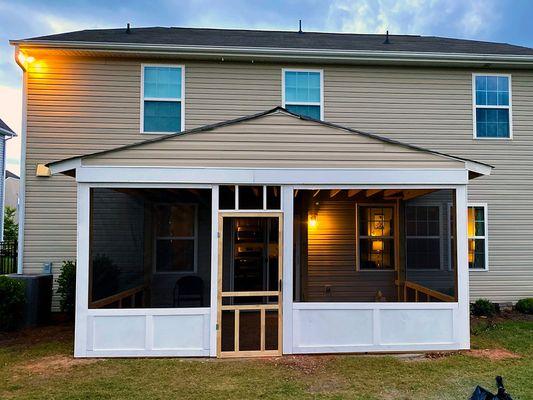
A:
[82, 270]
[214, 272]
[463, 296]
[288, 207]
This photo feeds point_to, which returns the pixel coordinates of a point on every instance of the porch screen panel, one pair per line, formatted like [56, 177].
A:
[429, 255]
[150, 248]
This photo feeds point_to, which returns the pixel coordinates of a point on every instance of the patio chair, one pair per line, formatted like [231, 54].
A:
[188, 289]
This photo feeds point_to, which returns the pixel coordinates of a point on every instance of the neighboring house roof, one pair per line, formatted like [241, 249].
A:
[10, 174]
[5, 129]
[476, 167]
[284, 40]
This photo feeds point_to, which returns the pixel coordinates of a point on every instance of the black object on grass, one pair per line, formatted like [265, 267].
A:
[483, 394]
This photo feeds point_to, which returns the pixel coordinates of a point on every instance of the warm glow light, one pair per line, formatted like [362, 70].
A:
[24, 60]
[471, 250]
[377, 245]
[313, 221]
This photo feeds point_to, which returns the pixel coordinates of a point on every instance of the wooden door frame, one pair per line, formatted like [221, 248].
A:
[261, 308]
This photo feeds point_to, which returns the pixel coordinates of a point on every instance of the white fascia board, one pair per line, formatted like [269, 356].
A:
[272, 52]
[63, 166]
[279, 176]
[481, 169]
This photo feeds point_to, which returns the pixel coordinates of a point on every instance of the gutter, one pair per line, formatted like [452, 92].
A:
[274, 53]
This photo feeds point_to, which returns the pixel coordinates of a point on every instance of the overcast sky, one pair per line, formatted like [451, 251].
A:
[492, 20]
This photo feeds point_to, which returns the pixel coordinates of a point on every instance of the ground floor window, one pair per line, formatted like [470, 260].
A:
[477, 236]
[149, 248]
[366, 245]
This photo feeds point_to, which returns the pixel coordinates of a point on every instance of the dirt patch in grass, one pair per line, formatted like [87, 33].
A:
[492, 354]
[55, 364]
[307, 364]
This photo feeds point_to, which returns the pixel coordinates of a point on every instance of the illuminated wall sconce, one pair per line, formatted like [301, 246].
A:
[312, 220]
[377, 246]
[23, 60]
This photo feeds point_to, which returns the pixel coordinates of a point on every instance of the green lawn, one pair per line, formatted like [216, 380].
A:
[38, 365]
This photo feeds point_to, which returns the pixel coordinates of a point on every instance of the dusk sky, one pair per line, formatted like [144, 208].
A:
[491, 20]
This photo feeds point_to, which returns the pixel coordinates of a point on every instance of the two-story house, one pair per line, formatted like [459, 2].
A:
[242, 193]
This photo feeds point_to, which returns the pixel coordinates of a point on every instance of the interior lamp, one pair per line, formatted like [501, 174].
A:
[377, 245]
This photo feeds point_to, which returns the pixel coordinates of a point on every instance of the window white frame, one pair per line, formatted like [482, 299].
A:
[441, 237]
[509, 107]
[181, 100]
[303, 103]
[194, 237]
[485, 237]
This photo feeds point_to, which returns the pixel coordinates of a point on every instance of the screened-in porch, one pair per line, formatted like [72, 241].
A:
[374, 245]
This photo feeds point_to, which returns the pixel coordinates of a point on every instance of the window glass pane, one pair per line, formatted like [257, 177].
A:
[423, 253]
[273, 198]
[476, 253]
[302, 86]
[162, 82]
[492, 90]
[175, 220]
[377, 253]
[250, 197]
[305, 111]
[376, 221]
[174, 255]
[226, 197]
[492, 122]
[162, 116]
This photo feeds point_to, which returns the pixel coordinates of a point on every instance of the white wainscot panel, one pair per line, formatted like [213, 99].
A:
[375, 327]
[416, 326]
[332, 330]
[119, 332]
[178, 332]
[148, 332]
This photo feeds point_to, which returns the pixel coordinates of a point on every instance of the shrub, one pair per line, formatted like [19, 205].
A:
[67, 287]
[10, 227]
[12, 299]
[525, 306]
[483, 307]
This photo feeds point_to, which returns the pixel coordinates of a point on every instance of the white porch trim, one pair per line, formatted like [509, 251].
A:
[280, 176]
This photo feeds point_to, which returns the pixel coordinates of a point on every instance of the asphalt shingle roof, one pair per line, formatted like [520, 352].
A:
[286, 40]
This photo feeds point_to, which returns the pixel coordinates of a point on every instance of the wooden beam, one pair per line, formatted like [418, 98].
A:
[372, 192]
[334, 192]
[316, 193]
[353, 192]
[411, 194]
[390, 192]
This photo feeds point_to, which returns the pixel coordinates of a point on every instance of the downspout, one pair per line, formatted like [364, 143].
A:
[22, 187]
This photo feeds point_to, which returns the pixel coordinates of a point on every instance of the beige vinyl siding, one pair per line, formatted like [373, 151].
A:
[77, 106]
[331, 260]
[278, 140]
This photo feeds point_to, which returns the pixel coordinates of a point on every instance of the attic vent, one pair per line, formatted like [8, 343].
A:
[128, 30]
[387, 41]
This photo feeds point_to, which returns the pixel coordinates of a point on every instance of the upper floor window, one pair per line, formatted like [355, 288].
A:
[477, 237]
[303, 92]
[162, 98]
[492, 106]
